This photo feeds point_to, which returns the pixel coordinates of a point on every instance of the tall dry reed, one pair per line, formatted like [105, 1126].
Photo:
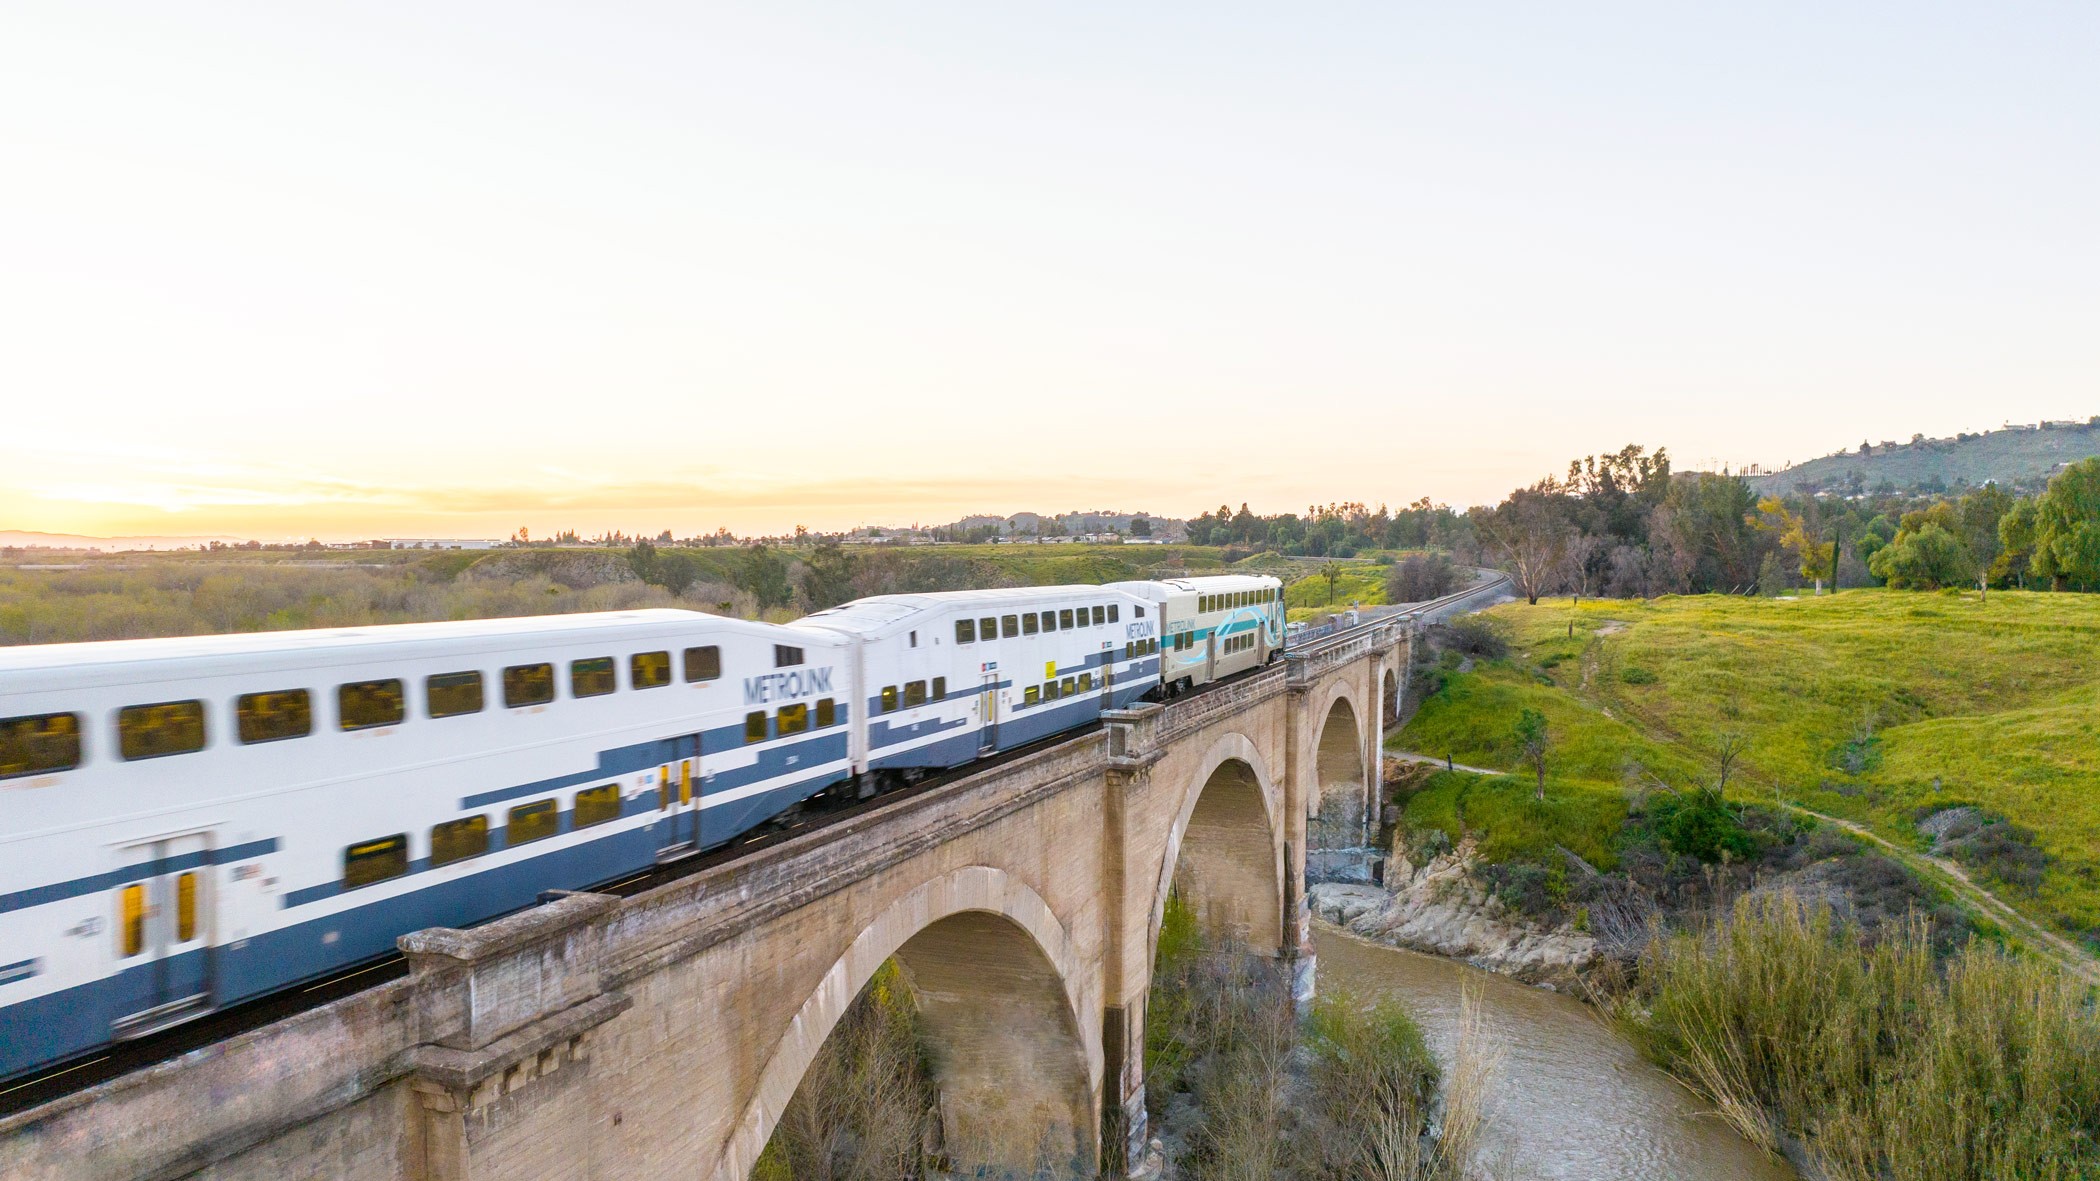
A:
[1885, 1064]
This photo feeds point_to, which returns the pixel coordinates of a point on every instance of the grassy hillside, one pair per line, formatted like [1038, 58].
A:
[1877, 706]
[2012, 458]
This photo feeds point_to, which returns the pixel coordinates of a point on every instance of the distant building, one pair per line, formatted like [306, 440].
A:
[443, 542]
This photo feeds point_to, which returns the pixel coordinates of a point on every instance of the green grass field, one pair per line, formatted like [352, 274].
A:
[1872, 705]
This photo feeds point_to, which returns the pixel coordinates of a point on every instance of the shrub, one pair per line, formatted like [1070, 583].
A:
[1481, 636]
[1700, 824]
[1635, 675]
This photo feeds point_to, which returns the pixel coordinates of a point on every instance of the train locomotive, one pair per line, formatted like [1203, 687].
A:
[192, 822]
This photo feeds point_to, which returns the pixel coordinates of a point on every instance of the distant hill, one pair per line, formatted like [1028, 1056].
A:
[24, 539]
[2015, 457]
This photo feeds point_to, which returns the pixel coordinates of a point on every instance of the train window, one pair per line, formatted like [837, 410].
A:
[451, 694]
[755, 726]
[703, 664]
[1068, 686]
[457, 840]
[1049, 690]
[1086, 682]
[131, 919]
[169, 728]
[827, 713]
[1050, 620]
[914, 693]
[794, 719]
[1028, 627]
[1140, 612]
[965, 631]
[987, 628]
[1064, 618]
[649, 670]
[889, 698]
[39, 744]
[596, 805]
[528, 684]
[1128, 651]
[186, 907]
[362, 705]
[785, 656]
[1009, 626]
[531, 822]
[1112, 612]
[267, 717]
[592, 677]
[940, 688]
[1031, 696]
[1100, 616]
[375, 861]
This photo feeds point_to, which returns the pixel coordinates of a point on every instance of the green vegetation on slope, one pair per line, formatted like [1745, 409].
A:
[1874, 705]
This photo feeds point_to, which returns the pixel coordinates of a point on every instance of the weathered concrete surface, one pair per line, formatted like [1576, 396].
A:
[663, 1035]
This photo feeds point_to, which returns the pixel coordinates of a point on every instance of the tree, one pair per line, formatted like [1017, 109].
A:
[1801, 535]
[1332, 572]
[1530, 540]
[1419, 578]
[2015, 545]
[1534, 741]
[2067, 528]
[1140, 527]
[1925, 558]
[1729, 748]
[827, 576]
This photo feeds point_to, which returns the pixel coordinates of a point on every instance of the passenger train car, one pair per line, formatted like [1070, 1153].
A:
[187, 823]
[946, 678]
[1213, 627]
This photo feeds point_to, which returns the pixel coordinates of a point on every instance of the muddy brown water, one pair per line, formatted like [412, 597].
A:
[1570, 1099]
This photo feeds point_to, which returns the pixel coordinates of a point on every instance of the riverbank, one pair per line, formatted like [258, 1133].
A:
[1569, 1099]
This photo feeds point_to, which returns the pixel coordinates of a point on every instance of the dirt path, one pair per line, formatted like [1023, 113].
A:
[2067, 954]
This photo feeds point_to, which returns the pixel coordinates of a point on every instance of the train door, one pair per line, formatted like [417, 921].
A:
[163, 926]
[988, 732]
[678, 798]
[1210, 656]
[1108, 675]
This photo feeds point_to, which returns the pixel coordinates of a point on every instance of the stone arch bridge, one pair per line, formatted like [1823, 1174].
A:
[662, 1035]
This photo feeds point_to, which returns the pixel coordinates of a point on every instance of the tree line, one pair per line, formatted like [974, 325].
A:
[1624, 525]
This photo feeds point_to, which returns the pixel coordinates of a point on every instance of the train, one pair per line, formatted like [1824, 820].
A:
[189, 823]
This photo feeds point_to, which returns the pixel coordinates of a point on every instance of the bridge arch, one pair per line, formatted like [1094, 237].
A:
[1390, 696]
[1340, 777]
[1224, 850]
[997, 983]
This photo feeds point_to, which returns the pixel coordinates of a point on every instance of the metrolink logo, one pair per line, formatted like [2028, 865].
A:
[785, 686]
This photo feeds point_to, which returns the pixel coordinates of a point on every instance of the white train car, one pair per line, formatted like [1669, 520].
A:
[188, 822]
[1212, 627]
[947, 677]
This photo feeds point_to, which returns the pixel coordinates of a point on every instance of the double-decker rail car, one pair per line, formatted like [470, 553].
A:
[1213, 627]
[945, 678]
[185, 823]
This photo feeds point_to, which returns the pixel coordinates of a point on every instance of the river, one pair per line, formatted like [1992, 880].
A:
[1570, 1099]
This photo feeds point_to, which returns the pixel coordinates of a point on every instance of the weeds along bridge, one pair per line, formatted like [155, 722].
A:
[662, 1035]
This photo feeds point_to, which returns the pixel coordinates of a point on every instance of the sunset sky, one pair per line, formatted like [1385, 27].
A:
[450, 269]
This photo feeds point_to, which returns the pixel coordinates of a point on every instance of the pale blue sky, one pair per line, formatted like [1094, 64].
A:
[454, 268]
